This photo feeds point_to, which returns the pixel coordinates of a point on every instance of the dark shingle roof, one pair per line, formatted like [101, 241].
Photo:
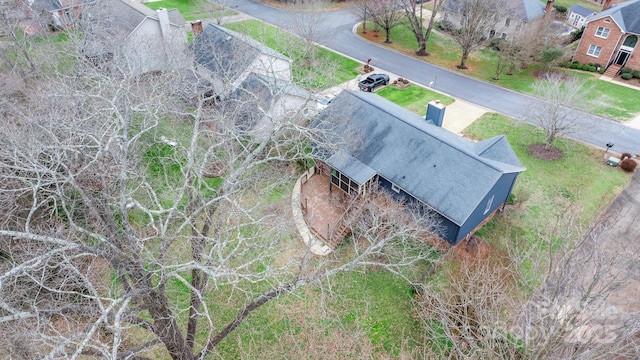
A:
[227, 53]
[445, 171]
[625, 14]
[581, 10]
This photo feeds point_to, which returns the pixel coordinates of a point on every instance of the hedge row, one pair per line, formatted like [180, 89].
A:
[586, 67]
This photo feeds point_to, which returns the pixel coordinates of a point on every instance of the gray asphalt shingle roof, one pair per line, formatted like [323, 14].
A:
[529, 9]
[445, 171]
[227, 53]
[625, 14]
[581, 10]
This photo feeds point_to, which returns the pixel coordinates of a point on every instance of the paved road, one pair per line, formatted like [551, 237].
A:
[339, 24]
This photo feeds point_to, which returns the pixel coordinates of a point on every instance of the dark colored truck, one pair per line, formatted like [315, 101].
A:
[372, 81]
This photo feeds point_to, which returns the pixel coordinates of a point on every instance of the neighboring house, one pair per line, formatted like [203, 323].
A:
[611, 37]
[146, 39]
[59, 14]
[384, 145]
[260, 102]
[577, 15]
[509, 20]
[225, 58]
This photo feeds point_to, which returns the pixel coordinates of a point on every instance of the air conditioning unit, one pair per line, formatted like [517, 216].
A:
[613, 161]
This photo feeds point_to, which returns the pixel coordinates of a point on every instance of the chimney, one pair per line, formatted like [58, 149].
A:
[607, 4]
[196, 27]
[165, 23]
[435, 112]
[549, 7]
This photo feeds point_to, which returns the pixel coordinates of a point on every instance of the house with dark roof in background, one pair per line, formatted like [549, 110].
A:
[577, 15]
[146, 40]
[377, 143]
[224, 58]
[611, 36]
[260, 103]
[511, 18]
[58, 14]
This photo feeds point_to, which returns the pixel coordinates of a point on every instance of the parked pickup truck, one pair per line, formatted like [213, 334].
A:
[372, 81]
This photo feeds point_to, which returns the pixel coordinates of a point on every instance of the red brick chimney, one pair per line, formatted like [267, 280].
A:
[607, 4]
[196, 27]
[549, 7]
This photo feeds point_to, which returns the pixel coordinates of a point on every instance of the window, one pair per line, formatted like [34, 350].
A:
[594, 50]
[492, 33]
[607, 21]
[504, 36]
[602, 32]
[507, 22]
[489, 203]
[395, 188]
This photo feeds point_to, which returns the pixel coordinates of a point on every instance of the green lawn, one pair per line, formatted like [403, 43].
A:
[547, 192]
[328, 68]
[192, 9]
[413, 97]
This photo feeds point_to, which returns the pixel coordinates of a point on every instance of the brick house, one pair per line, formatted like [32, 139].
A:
[610, 37]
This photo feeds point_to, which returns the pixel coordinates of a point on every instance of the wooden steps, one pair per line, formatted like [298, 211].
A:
[612, 70]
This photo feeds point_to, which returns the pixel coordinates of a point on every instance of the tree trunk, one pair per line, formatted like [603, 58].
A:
[387, 31]
[463, 61]
[422, 47]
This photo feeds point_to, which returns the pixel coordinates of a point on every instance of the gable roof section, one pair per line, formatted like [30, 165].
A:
[581, 10]
[227, 53]
[625, 14]
[128, 15]
[442, 169]
[528, 10]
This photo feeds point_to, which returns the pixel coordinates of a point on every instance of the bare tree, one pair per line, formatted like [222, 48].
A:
[361, 10]
[18, 55]
[306, 24]
[561, 96]
[386, 14]
[473, 19]
[415, 22]
[497, 307]
[135, 223]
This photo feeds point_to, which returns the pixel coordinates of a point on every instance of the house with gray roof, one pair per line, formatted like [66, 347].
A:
[260, 103]
[146, 40]
[58, 14]
[377, 143]
[511, 18]
[577, 15]
[225, 58]
[611, 36]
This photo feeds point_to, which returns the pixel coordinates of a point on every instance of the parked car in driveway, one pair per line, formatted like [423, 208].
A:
[372, 81]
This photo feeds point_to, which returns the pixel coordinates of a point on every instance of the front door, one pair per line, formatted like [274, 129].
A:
[622, 57]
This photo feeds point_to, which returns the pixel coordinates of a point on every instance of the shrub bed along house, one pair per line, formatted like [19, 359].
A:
[585, 67]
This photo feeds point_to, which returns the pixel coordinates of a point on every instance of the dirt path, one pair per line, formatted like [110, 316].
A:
[619, 228]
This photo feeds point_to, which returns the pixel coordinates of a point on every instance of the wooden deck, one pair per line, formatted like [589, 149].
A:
[323, 210]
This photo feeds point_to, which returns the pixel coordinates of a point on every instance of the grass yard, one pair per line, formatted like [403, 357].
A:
[547, 194]
[192, 9]
[328, 69]
[413, 97]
